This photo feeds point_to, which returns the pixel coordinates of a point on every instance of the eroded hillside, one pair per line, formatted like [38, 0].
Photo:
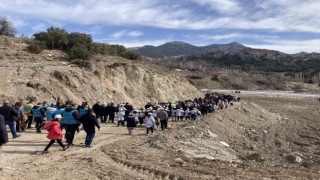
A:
[105, 78]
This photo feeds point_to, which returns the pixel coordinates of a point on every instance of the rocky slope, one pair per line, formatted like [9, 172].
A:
[50, 75]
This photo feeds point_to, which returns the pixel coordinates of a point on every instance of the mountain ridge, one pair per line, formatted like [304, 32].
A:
[181, 48]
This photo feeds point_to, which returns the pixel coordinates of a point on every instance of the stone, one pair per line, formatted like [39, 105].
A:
[294, 158]
[179, 160]
[224, 144]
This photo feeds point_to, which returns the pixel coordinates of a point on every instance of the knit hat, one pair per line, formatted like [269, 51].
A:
[58, 116]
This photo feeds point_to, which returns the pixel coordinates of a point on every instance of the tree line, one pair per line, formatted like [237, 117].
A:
[76, 45]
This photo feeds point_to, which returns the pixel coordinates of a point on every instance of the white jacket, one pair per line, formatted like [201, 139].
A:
[149, 121]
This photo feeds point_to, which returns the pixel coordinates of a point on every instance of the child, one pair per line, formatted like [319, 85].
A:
[55, 134]
[150, 122]
[131, 123]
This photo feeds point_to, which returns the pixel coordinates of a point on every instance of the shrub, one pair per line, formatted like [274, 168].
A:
[215, 78]
[79, 53]
[6, 27]
[130, 55]
[54, 38]
[79, 40]
[36, 47]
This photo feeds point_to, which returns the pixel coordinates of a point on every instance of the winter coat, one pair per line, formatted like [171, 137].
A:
[8, 112]
[150, 121]
[131, 122]
[89, 121]
[3, 131]
[53, 127]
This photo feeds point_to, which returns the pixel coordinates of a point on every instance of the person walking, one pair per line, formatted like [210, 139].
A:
[163, 116]
[150, 122]
[20, 122]
[10, 115]
[131, 123]
[112, 110]
[27, 108]
[3, 135]
[70, 121]
[38, 113]
[55, 133]
[89, 122]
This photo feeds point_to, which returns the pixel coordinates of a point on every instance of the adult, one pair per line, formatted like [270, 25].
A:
[96, 109]
[131, 123]
[3, 135]
[38, 113]
[55, 133]
[163, 116]
[83, 109]
[20, 122]
[10, 115]
[27, 108]
[49, 113]
[70, 121]
[89, 122]
[112, 110]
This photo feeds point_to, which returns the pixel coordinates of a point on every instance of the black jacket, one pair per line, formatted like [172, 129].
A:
[96, 108]
[8, 112]
[131, 122]
[89, 121]
[3, 131]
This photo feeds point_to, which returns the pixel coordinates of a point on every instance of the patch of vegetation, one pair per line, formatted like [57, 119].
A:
[76, 45]
[6, 27]
[36, 47]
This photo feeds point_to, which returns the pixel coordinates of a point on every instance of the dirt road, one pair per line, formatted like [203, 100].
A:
[22, 158]
[262, 132]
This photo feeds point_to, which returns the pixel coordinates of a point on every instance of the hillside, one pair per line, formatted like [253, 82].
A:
[50, 75]
[179, 48]
[235, 55]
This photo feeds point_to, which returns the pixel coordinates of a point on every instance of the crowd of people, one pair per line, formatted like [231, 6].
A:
[72, 117]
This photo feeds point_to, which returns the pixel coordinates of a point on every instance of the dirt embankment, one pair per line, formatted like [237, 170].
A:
[105, 78]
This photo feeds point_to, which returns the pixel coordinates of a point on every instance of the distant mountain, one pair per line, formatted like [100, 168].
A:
[179, 48]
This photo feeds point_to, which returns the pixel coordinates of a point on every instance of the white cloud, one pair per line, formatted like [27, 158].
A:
[277, 15]
[135, 33]
[137, 43]
[290, 46]
[125, 33]
[222, 6]
[234, 36]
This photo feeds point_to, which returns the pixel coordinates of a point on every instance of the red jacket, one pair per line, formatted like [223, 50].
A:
[53, 127]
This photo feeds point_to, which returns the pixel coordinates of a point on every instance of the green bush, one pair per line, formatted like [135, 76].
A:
[79, 53]
[130, 55]
[36, 47]
[79, 40]
[215, 78]
[54, 38]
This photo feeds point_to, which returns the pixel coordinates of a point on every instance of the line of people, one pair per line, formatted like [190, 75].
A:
[69, 116]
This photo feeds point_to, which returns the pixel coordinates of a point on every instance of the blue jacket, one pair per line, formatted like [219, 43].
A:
[82, 111]
[70, 116]
[56, 112]
[38, 112]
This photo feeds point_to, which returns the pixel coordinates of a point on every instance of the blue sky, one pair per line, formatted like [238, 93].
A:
[289, 26]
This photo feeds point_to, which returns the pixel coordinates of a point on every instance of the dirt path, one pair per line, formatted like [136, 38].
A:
[22, 158]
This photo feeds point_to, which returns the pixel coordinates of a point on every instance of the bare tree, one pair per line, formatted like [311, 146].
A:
[6, 27]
